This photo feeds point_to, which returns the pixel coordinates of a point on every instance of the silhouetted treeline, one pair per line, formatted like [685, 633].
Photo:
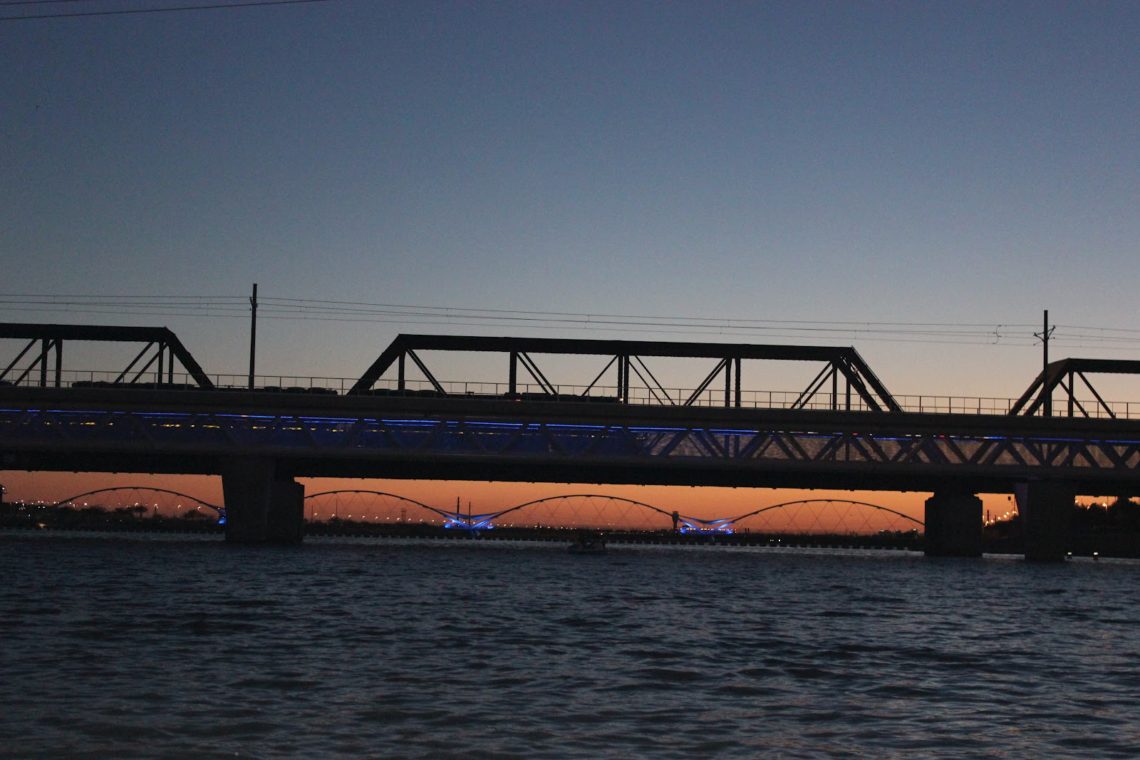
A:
[1110, 529]
[50, 517]
[1104, 529]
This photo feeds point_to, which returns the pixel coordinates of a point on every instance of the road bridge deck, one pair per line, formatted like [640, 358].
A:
[492, 439]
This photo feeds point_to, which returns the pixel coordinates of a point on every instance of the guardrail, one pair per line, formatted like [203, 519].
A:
[752, 399]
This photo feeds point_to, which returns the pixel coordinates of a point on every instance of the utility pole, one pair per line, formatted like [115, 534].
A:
[253, 331]
[1046, 391]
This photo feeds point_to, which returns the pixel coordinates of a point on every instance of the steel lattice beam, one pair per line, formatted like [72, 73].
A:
[1062, 374]
[51, 338]
[453, 439]
[628, 357]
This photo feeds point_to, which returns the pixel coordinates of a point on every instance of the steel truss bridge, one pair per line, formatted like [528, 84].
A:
[844, 381]
[861, 439]
[458, 439]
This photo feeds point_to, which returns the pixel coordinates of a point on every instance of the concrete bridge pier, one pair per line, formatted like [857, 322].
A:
[261, 507]
[1046, 509]
[953, 524]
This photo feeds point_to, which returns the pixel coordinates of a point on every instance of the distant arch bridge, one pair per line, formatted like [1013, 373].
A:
[158, 502]
[602, 511]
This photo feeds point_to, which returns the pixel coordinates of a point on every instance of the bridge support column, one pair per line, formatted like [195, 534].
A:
[260, 506]
[1046, 510]
[953, 524]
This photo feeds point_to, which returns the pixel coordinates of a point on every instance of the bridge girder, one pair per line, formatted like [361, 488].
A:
[161, 344]
[627, 359]
[455, 438]
[1063, 374]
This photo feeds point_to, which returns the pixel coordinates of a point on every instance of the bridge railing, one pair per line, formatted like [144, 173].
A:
[183, 380]
[751, 399]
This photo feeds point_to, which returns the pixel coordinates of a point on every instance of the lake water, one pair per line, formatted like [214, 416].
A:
[162, 647]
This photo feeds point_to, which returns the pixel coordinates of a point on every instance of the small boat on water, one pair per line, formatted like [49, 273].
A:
[588, 542]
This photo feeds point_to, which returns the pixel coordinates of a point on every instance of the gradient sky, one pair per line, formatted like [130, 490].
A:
[843, 163]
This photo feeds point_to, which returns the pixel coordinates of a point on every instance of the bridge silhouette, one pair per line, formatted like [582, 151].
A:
[149, 504]
[585, 510]
[599, 511]
[845, 430]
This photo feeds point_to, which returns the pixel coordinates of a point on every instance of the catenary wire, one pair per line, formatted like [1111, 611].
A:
[216, 306]
[167, 9]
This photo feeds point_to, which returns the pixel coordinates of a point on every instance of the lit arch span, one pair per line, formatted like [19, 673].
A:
[781, 505]
[568, 497]
[457, 519]
[369, 492]
[485, 521]
[221, 511]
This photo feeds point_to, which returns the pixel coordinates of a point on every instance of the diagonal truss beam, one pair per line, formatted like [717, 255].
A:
[51, 338]
[1062, 375]
[905, 452]
[629, 358]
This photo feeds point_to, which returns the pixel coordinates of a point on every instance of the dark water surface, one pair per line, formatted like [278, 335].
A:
[153, 647]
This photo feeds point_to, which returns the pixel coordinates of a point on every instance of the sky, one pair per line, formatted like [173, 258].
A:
[917, 180]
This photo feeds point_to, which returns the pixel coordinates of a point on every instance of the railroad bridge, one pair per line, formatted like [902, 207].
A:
[400, 420]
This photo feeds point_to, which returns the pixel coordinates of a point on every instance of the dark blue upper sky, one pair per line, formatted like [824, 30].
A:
[945, 162]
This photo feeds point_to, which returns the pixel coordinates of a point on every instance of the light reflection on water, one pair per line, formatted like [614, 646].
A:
[160, 647]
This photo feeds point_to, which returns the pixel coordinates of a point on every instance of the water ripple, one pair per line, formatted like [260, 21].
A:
[193, 649]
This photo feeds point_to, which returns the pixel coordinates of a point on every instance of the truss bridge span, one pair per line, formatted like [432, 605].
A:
[260, 442]
[480, 439]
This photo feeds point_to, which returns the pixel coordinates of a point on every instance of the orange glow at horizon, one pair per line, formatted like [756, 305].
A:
[481, 497]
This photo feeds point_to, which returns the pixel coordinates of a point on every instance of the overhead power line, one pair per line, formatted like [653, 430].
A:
[449, 317]
[43, 2]
[136, 11]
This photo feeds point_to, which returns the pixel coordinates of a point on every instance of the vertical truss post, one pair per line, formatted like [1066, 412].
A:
[737, 362]
[727, 382]
[400, 372]
[513, 374]
[1072, 392]
[43, 362]
[632, 367]
[58, 363]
